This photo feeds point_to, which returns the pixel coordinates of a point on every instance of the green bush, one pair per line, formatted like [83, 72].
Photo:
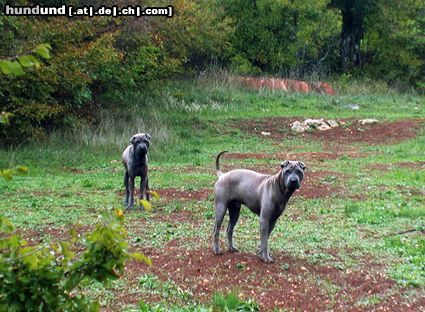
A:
[240, 65]
[48, 277]
[231, 302]
[98, 62]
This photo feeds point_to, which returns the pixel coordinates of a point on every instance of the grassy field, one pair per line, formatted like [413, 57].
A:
[351, 238]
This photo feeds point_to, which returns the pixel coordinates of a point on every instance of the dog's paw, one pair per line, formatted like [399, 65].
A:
[266, 259]
[217, 251]
[233, 249]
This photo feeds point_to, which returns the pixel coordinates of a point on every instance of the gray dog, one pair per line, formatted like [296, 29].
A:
[135, 160]
[265, 195]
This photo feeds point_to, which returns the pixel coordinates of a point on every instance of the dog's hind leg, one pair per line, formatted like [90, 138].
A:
[131, 192]
[127, 193]
[220, 211]
[234, 211]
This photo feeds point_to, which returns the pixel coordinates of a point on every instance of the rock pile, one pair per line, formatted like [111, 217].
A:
[323, 124]
[315, 124]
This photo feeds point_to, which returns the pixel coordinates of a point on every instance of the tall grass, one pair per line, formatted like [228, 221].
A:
[345, 84]
[179, 114]
[114, 129]
[86, 144]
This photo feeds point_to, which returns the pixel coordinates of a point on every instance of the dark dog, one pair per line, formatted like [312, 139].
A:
[265, 195]
[135, 160]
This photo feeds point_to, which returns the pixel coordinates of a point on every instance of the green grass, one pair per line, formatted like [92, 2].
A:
[77, 175]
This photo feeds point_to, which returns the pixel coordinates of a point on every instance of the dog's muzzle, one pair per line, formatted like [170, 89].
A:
[141, 148]
[293, 182]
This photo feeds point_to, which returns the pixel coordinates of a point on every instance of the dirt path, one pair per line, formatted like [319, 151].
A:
[381, 133]
[289, 283]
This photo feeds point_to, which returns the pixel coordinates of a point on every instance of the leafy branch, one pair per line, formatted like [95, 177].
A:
[48, 277]
[15, 65]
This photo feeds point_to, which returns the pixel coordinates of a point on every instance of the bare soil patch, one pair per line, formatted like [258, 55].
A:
[180, 216]
[316, 184]
[303, 156]
[289, 283]
[178, 194]
[321, 184]
[380, 133]
[420, 165]
[57, 234]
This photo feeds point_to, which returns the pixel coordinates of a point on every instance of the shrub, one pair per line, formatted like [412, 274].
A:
[231, 302]
[48, 277]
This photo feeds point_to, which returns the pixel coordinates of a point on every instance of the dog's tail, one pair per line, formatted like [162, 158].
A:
[217, 163]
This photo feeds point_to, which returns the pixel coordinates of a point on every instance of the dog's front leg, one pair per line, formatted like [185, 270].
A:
[264, 234]
[148, 195]
[144, 188]
[272, 225]
[131, 192]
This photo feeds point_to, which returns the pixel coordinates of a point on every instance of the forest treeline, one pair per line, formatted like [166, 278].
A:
[101, 61]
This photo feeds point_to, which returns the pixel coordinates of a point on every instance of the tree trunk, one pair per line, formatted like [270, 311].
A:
[351, 36]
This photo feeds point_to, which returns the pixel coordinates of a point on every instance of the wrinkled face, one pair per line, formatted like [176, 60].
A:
[140, 143]
[292, 174]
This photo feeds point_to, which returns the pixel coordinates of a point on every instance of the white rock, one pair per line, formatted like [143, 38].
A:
[265, 133]
[323, 127]
[353, 106]
[298, 126]
[368, 121]
[332, 123]
[314, 122]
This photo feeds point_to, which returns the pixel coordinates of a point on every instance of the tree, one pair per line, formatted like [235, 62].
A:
[283, 36]
[353, 14]
[394, 43]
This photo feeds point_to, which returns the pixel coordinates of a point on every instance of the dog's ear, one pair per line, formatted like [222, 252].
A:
[301, 164]
[284, 164]
[132, 139]
[148, 136]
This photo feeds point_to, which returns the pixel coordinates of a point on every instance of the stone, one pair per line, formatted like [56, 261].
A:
[314, 122]
[368, 121]
[332, 123]
[324, 127]
[353, 106]
[298, 126]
